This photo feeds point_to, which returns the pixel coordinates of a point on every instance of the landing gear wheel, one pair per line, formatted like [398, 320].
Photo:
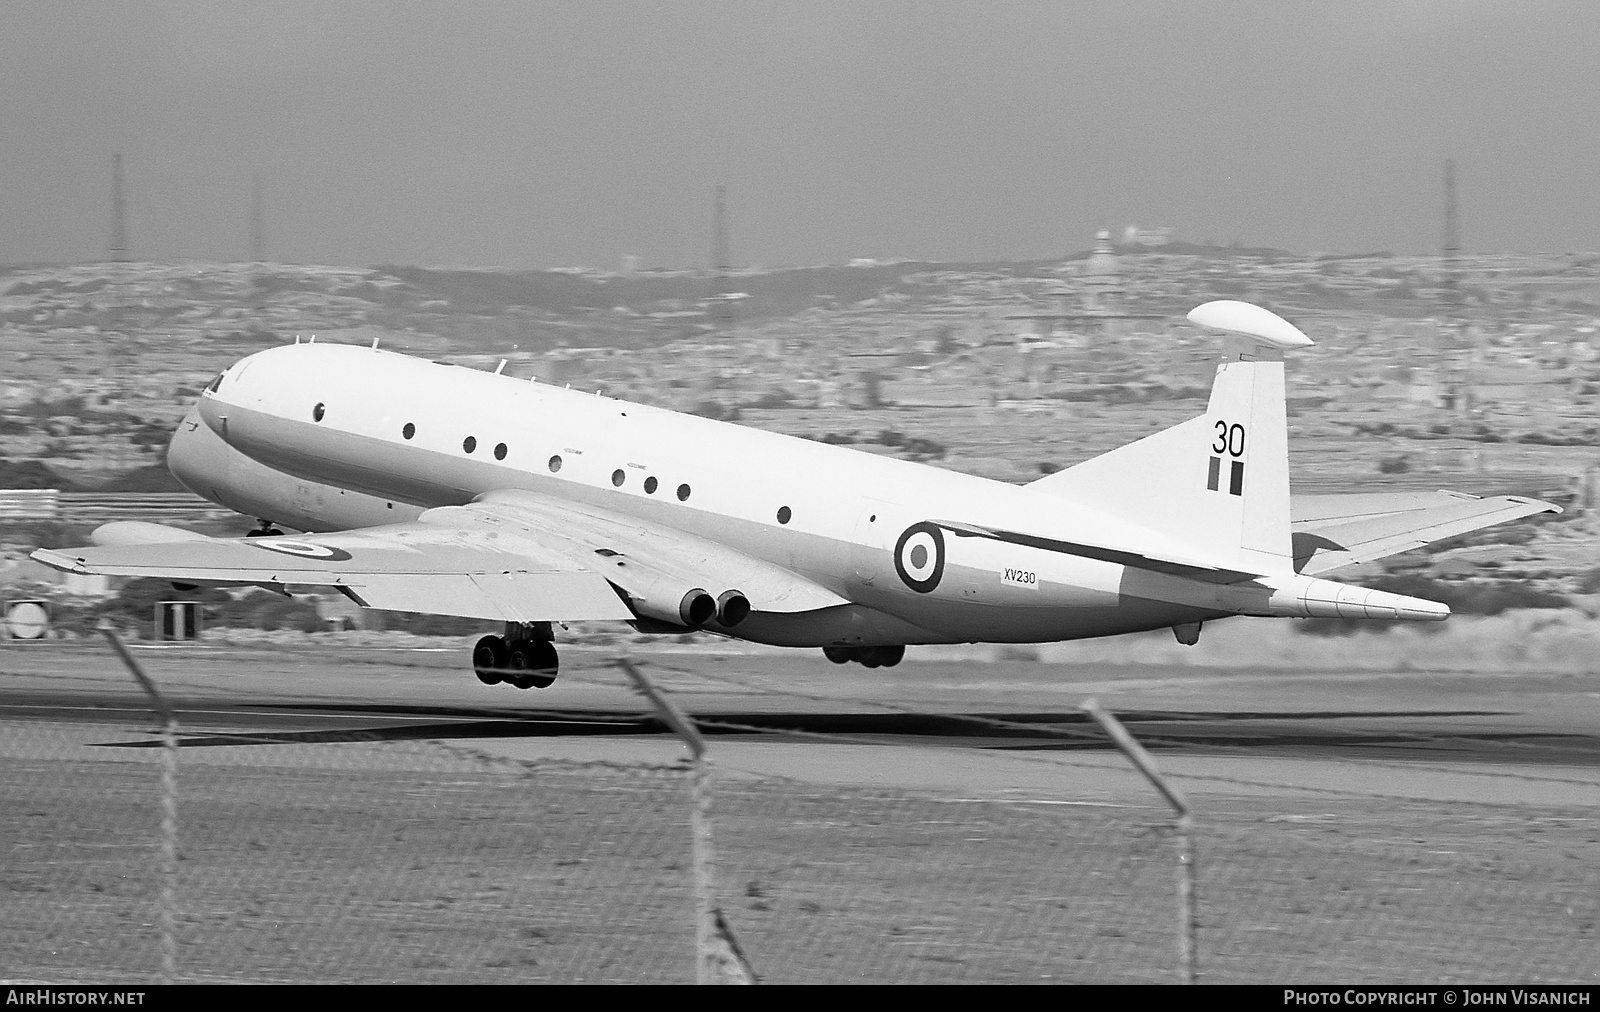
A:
[490, 660]
[533, 662]
[889, 656]
[838, 655]
[545, 664]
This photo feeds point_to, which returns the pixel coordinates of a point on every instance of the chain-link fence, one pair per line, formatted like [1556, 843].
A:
[342, 863]
[850, 885]
[432, 861]
[1367, 891]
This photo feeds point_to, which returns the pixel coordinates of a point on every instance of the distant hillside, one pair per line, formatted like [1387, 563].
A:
[119, 314]
[31, 474]
[778, 292]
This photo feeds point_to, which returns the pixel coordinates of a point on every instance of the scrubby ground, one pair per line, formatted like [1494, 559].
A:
[412, 862]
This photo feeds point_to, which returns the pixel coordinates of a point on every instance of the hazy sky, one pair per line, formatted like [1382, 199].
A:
[547, 134]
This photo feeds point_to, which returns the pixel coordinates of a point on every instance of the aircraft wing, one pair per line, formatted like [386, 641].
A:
[511, 556]
[443, 569]
[629, 550]
[1333, 531]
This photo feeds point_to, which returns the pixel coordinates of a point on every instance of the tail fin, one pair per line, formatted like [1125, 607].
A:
[1219, 482]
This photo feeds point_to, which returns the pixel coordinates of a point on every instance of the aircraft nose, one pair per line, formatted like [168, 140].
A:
[192, 455]
[209, 412]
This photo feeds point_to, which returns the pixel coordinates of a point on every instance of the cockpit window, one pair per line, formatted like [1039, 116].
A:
[215, 383]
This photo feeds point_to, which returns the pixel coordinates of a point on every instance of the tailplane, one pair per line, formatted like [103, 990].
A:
[1219, 482]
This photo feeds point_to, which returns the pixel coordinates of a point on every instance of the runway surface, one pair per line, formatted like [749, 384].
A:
[1002, 729]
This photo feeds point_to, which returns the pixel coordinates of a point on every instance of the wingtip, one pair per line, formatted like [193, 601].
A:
[1545, 505]
[58, 560]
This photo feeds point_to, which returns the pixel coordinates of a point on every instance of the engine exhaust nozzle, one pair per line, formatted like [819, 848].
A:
[732, 608]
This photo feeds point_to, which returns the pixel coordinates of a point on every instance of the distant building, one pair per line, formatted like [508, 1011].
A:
[1102, 282]
[1133, 235]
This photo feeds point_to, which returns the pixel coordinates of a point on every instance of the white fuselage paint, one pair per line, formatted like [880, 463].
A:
[254, 444]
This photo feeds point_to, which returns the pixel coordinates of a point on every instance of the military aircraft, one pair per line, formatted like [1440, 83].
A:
[435, 488]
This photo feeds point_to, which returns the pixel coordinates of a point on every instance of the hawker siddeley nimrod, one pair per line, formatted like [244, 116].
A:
[434, 488]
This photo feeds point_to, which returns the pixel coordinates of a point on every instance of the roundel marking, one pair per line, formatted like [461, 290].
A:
[302, 549]
[919, 556]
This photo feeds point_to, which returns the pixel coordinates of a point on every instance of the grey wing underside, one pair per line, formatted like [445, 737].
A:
[512, 556]
[1333, 531]
[423, 567]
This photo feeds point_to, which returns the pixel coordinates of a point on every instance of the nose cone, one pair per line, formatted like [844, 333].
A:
[196, 456]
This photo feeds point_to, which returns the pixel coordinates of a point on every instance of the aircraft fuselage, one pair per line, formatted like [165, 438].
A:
[330, 437]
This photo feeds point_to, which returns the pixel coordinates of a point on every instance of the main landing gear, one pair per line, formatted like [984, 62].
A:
[867, 657]
[524, 656]
[266, 530]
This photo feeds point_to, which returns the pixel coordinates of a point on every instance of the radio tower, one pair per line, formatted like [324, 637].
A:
[721, 305]
[119, 215]
[258, 234]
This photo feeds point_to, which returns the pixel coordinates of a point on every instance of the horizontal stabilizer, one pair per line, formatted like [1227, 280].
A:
[1334, 531]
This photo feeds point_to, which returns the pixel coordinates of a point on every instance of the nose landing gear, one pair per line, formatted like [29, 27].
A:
[524, 657]
[867, 657]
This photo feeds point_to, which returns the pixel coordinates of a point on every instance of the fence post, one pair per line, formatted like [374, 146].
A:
[718, 958]
[1184, 823]
[166, 913]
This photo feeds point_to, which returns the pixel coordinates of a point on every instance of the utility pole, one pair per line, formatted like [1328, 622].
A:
[721, 305]
[1456, 359]
[119, 215]
[1450, 249]
[258, 234]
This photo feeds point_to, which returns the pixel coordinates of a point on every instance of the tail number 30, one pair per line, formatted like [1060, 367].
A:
[1230, 440]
